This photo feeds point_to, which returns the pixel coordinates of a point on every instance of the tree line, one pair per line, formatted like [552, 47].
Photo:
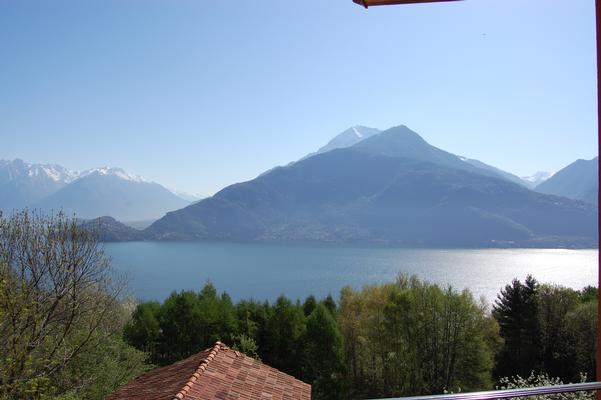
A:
[404, 338]
[67, 332]
[547, 328]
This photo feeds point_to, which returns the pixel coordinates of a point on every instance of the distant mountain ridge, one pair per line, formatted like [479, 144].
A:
[111, 230]
[499, 172]
[365, 185]
[89, 194]
[579, 181]
[22, 183]
[112, 193]
[392, 187]
[112, 171]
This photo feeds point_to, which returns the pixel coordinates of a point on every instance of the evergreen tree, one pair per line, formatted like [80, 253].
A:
[309, 305]
[330, 304]
[252, 321]
[323, 357]
[182, 327]
[516, 311]
[143, 329]
[285, 328]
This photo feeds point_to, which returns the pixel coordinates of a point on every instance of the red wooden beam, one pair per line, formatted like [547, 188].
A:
[369, 3]
[598, 26]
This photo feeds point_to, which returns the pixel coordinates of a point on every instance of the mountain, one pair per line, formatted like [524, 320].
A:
[23, 183]
[410, 144]
[536, 179]
[89, 194]
[112, 191]
[502, 174]
[400, 141]
[390, 188]
[111, 230]
[349, 138]
[578, 181]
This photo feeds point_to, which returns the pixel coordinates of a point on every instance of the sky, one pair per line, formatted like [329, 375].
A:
[197, 95]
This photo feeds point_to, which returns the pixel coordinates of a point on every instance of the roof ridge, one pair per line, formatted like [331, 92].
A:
[201, 368]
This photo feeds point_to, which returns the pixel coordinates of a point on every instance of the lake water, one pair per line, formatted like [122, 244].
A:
[264, 271]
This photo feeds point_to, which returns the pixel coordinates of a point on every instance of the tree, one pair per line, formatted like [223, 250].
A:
[588, 293]
[516, 311]
[97, 372]
[252, 321]
[309, 305]
[554, 303]
[143, 330]
[285, 328]
[183, 330]
[546, 328]
[330, 304]
[323, 358]
[579, 335]
[413, 338]
[246, 345]
[58, 301]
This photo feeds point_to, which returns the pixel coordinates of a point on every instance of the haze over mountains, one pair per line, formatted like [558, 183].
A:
[89, 194]
[392, 187]
[365, 185]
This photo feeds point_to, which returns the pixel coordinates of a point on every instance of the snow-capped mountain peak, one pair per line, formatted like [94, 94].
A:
[18, 169]
[54, 172]
[96, 192]
[537, 178]
[113, 171]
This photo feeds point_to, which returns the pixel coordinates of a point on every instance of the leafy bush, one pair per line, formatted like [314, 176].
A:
[543, 379]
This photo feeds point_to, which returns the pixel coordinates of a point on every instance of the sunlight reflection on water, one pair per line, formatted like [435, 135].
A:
[263, 271]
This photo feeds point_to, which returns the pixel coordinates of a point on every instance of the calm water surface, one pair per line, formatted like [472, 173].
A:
[264, 271]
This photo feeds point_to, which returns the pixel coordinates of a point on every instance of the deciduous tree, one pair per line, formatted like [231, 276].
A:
[58, 301]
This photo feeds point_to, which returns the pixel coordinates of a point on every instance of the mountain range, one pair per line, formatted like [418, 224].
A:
[391, 187]
[22, 184]
[89, 194]
[364, 185]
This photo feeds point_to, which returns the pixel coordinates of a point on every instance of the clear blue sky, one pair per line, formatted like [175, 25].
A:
[197, 95]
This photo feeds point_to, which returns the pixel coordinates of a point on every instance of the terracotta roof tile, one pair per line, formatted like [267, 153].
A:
[215, 373]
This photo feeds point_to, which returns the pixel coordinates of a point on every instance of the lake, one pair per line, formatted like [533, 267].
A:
[264, 271]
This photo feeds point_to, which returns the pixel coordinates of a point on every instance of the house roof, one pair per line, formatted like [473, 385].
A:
[215, 373]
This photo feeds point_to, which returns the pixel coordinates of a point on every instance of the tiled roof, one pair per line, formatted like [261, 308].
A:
[215, 373]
